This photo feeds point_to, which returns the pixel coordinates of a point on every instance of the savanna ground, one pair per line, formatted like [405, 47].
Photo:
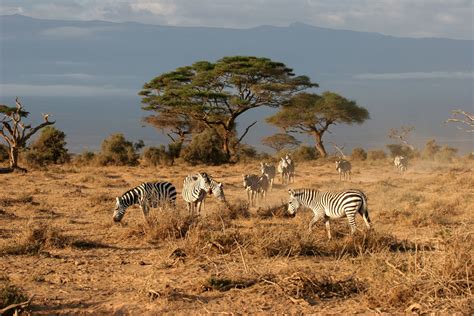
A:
[59, 243]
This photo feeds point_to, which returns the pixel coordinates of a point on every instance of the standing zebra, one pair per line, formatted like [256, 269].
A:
[148, 193]
[344, 168]
[195, 188]
[268, 170]
[401, 162]
[329, 205]
[217, 189]
[255, 186]
[291, 168]
[283, 168]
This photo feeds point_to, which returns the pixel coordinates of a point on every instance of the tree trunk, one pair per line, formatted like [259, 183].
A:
[13, 157]
[318, 139]
[226, 145]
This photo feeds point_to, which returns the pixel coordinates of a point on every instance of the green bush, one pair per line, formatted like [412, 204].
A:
[3, 153]
[358, 154]
[377, 154]
[305, 153]
[118, 151]
[205, 147]
[155, 156]
[48, 148]
[401, 150]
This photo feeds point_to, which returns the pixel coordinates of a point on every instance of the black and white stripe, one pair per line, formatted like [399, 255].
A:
[330, 205]
[256, 186]
[401, 162]
[146, 194]
[195, 188]
[268, 170]
[284, 170]
[344, 168]
[291, 168]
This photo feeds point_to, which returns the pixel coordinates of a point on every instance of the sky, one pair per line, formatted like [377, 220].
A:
[406, 18]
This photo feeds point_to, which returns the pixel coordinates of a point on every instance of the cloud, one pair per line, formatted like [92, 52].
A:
[62, 90]
[416, 75]
[412, 18]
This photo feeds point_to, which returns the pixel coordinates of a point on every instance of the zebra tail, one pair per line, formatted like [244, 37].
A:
[364, 209]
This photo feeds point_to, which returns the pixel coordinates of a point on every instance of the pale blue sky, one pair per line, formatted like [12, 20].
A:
[411, 18]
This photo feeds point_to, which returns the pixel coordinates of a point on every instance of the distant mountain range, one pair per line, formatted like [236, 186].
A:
[87, 73]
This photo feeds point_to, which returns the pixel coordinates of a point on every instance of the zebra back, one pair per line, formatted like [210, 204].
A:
[268, 169]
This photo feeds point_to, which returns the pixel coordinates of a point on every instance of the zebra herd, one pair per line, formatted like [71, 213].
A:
[196, 187]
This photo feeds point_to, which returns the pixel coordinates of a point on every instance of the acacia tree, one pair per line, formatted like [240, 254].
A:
[312, 114]
[465, 120]
[14, 131]
[216, 94]
[280, 140]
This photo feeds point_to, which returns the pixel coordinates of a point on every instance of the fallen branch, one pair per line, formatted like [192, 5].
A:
[17, 306]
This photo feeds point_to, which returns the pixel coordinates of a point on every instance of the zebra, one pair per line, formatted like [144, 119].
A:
[283, 168]
[255, 186]
[217, 189]
[291, 168]
[344, 168]
[268, 170]
[195, 189]
[148, 193]
[329, 205]
[401, 162]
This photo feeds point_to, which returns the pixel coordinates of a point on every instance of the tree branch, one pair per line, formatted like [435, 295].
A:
[246, 131]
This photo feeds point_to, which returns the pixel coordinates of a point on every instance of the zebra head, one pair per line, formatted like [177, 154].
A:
[119, 210]
[205, 182]
[293, 203]
[338, 163]
[218, 191]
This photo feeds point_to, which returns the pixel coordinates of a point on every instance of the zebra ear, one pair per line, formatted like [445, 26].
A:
[220, 185]
[291, 191]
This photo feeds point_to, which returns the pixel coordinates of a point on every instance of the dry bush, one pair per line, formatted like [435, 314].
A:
[223, 284]
[236, 210]
[358, 154]
[23, 198]
[309, 287]
[377, 154]
[432, 279]
[36, 238]
[273, 211]
[10, 294]
[168, 223]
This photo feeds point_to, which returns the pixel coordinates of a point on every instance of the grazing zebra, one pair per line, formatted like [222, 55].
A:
[217, 189]
[195, 188]
[401, 162]
[148, 193]
[283, 168]
[255, 186]
[329, 205]
[291, 168]
[344, 168]
[268, 170]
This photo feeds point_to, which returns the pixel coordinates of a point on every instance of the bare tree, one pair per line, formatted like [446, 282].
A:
[465, 119]
[14, 131]
[402, 135]
[339, 149]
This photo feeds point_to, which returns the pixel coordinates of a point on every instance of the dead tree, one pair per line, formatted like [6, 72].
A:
[465, 119]
[14, 131]
[339, 149]
[402, 135]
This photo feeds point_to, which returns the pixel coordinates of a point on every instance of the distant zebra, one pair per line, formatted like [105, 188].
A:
[344, 168]
[284, 170]
[148, 193]
[329, 205]
[401, 162]
[195, 188]
[268, 170]
[255, 186]
[291, 168]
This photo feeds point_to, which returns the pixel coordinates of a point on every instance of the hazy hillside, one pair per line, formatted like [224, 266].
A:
[94, 63]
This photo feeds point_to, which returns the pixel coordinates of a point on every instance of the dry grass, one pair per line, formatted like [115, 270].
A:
[235, 258]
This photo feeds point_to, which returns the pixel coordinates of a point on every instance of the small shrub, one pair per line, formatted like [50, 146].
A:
[446, 154]
[155, 156]
[48, 148]
[205, 147]
[377, 154]
[86, 158]
[430, 150]
[118, 151]
[401, 150]
[10, 294]
[358, 154]
[305, 153]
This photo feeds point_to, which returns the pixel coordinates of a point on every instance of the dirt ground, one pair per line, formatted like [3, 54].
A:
[109, 268]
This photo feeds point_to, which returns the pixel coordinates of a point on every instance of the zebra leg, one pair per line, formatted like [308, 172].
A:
[316, 218]
[328, 227]
[352, 223]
